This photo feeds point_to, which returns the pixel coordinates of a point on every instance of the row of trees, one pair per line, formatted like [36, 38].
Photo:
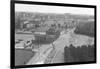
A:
[79, 54]
[86, 28]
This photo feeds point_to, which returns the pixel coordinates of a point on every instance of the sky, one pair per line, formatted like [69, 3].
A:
[53, 9]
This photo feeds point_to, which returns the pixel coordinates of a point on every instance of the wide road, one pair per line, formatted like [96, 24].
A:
[60, 43]
[65, 39]
[69, 37]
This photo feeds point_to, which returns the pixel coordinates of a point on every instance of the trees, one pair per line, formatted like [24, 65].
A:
[85, 28]
[79, 54]
[17, 22]
[50, 31]
[67, 55]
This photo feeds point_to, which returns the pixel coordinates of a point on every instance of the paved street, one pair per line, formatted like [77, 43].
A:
[64, 40]
[41, 55]
[44, 51]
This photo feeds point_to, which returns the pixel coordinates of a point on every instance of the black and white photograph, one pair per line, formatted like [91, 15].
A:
[47, 34]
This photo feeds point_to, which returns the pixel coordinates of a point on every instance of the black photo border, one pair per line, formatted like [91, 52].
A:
[12, 31]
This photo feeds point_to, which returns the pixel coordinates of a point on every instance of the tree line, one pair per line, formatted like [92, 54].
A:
[82, 53]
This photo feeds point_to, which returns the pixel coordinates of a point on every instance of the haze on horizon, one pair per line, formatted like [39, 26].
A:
[53, 9]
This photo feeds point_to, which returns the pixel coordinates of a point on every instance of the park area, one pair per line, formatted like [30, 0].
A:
[23, 56]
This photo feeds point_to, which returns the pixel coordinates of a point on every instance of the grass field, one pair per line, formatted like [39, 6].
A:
[23, 56]
[24, 36]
